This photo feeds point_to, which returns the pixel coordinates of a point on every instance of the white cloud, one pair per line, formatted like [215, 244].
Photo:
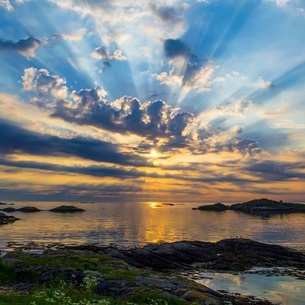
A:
[264, 84]
[238, 108]
[45, 84]
[168, 78]
[103, 54]
[202, 78]
[6, 4]
[281, 3]
[75, 36]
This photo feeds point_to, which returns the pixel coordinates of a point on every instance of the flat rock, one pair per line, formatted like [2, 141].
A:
[67, 209]
[236, 254]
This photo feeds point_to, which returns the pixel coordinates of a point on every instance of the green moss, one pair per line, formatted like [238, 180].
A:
[62, 259]
[122, 274]
[7, 274]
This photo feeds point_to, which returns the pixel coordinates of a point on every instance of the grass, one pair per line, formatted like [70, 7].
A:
[22, 267]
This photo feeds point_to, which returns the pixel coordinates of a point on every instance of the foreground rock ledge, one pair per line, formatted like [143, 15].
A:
[122, 273]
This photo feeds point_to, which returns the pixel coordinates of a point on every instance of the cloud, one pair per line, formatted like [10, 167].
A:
[175, 47]
[281, 3]
[277, 171]
[157, 121]
[25, 47]
[103, 53]
[72, 37]
[15, 139]
[89, 107]
[238, 108]
[166, 13]
[6, 4]
[47, 86]
[264, 84]
[92, 170]
[168, 78]
[196, 73]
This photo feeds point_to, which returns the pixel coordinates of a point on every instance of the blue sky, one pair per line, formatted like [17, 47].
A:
[163, 100]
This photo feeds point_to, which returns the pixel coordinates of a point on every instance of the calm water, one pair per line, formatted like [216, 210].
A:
[278, 289]
[129, 224]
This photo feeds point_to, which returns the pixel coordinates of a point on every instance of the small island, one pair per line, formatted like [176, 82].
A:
[259, 207]
[66, 209]
[6, 219]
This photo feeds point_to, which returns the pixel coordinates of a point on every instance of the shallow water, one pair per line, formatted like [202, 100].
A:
[131, 223]
[285, 290]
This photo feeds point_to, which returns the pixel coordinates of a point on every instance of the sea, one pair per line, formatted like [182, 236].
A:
[128, 224]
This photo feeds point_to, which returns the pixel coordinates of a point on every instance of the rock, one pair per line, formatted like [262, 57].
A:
[259, 207]
[29, 210]
[66, 209]
[9, 210]
[231, 254]
[213, 207]
[6, 219]
[3, 203]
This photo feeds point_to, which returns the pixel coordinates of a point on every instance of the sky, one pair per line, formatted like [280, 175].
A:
[166, 100]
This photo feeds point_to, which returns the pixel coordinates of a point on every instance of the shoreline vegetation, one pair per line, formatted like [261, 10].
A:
[90, 274]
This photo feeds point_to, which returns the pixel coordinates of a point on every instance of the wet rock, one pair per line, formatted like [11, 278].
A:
[66, 209]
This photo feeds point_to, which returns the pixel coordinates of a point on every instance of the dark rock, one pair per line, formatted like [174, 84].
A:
[29, 210]
[66, 209]
[213, 207]
[265, 206]
[9, 210]
[259, 207]
[3, 203]
[75, 277]
[6, 219]
[231, 254]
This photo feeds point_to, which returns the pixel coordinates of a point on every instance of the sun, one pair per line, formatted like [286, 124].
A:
[154, 153]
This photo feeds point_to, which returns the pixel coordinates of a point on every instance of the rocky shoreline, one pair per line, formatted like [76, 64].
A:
[123, 273]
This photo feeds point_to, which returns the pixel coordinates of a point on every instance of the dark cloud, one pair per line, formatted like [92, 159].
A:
[175, 48]
[193, 64]
[166, 13]
[89, 107]
[25, 47]
[277, 171]
[244, 146]
[15, 139]
[78, 192]
[93, 170]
